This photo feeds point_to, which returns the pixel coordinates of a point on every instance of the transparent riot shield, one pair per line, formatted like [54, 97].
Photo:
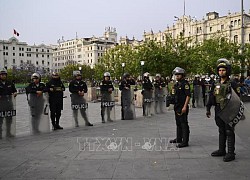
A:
[160, 100]
[108, 106]
[148, 103]
[39, 113]
[7, 116]
[79, 108]
[198, 99]
[242, 129]
[128, 105]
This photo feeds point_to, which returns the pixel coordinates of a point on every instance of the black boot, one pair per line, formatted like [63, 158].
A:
[178, 138]
[185, 135]
[222, 146]
[230, 156]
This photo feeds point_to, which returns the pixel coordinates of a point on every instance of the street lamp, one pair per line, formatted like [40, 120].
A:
[92, 67]
[142, 64]
[80, 69]
[123, 66]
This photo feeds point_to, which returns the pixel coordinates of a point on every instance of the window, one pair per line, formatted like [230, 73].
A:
[13, 48]
[211, 28]
[37, 55]
[249, 37]
[20, 54]
[21, 61]
[239, 22]
[22, 49]
[236, 39]
[14, 61]
[47, 50]
[14, 54]
[42, 62]
[235, 22]
[48, 63]
[36, 50]
[42, 50]
[79, 56]
[47, 56]
[42, 55]
[222, 26]
[36, 62]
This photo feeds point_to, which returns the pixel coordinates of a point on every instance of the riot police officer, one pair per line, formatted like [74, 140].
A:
[159, 85]
[147, 93]
[7, 90]
[78, 87]
[55, 88]
[217, 97]
[127, 111]
[106, 88]
[182, 94]
[36, 101]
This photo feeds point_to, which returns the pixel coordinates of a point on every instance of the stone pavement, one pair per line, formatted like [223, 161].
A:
[131, 149]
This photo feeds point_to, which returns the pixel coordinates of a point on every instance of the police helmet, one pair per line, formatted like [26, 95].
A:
[224, 63]
[35, 76]
[158, 75]
[55, 74]
[178, 70]
[146, 74]
[126, 75]
[106, 74]
[3, 71]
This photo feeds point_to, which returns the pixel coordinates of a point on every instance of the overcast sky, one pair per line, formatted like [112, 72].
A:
[45, 21]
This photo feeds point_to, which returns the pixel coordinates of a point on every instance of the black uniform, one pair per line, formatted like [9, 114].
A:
[180, 91]
[75, 87]
[226, 132]
[126, 98]
[159, 94]
[55, 100]
[106, 97]
[196, 84]
[147, 92]
[6, 91]
[36, 103]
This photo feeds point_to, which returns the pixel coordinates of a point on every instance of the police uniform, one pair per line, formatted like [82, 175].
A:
[76, 86]
[180, 92]
[36, 103]
[125, 88]
[159, 93]
[147, 92]
[105, 87]
[217, 97]
[6, 92]
[55, 88]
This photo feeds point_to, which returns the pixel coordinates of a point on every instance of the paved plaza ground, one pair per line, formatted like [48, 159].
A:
[129, 149]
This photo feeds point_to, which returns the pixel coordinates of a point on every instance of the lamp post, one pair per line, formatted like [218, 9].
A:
[80, 69]
[142, 64]
[242, 40]
[123, 66]
[91, 67]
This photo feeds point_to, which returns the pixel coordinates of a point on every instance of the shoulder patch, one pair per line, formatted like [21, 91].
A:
[186, 86]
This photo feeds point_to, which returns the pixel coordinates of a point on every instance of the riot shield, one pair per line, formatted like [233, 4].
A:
[128, 105]
[197, 95]
[148, 103]
[79, 108]
[108, 106]
[7, 116]
[242, 129]
[39, 113]
[233, 109]
[160, 97]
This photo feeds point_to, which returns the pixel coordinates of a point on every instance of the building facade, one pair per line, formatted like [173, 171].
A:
[19, 55]
[200, 30]
[83, 50]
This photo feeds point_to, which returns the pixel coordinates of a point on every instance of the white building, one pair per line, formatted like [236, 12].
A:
[83, 50]
[199, 30]
[20, 55]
